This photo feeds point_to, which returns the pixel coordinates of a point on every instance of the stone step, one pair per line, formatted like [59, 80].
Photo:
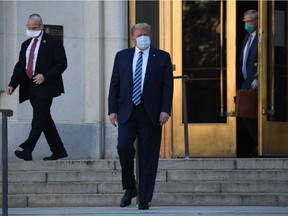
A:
[197, 181]
[63, 165]
[162, 175]
[164, 164]
[229, 175]
[160, 187]
[224, 164]
[159, 199]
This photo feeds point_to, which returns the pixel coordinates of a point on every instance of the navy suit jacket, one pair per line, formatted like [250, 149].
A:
[157, 90]
[251, 61]
[51, 62]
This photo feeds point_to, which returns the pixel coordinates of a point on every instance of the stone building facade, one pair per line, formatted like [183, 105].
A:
[93, 32]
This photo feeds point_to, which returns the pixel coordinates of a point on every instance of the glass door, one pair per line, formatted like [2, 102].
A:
[204, 50]
[273, 64]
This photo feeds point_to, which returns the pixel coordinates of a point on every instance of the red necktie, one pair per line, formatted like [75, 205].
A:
[31, 58]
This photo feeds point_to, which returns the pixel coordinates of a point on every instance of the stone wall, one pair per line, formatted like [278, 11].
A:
[93, 32]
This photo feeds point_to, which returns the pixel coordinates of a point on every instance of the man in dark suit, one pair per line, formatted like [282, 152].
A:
[38, 73]
[248, 68]
[140, 104]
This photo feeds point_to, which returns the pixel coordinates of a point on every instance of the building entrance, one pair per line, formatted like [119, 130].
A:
[205, 39]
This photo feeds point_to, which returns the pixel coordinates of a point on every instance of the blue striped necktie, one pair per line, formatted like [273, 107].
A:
[245, 57]
[136, 96]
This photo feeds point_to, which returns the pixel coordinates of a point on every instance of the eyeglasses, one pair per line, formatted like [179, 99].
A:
[33, 27]
[140, 35]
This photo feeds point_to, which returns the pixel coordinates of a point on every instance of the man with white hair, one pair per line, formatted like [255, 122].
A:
[38, 73]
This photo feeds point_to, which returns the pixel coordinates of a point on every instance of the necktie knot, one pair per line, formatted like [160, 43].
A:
[249, 41]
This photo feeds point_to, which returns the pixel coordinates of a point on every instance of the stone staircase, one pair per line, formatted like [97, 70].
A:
[197, 181]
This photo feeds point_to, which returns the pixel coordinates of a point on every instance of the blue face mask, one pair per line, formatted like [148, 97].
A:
[248, 27]
[143, 42]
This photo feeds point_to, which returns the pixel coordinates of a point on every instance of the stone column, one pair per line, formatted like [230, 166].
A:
[105, 33]
[116, 38]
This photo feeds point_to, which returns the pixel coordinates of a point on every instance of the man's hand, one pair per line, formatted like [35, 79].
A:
[254, 84]
[38, 79]
[164, 117]
[113, 119]
[9, 90]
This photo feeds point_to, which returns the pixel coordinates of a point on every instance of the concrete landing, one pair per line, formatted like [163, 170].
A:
[154, 210]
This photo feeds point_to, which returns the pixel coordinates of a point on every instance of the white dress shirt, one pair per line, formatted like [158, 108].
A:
[144, 64]
[35, 53]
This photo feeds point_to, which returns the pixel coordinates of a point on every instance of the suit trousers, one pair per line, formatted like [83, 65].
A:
[252, 128]
[149, 139]
[43, 122]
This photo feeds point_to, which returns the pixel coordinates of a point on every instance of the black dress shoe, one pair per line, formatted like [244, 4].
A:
[143, 206]
[25, 155]
[56, 156]
[128, 195]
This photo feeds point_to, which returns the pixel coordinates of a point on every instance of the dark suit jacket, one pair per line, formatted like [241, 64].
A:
[157, 90]
[251, 61]
[51, 62]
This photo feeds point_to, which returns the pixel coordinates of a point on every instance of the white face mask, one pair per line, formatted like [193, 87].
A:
[33, 34]
[143, 42]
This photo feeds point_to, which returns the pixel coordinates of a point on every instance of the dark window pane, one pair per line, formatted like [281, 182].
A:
[277, 86]
[202, 60]
[148, 12]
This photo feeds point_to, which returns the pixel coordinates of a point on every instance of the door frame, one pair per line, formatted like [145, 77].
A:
[205, 140]
[273, 136]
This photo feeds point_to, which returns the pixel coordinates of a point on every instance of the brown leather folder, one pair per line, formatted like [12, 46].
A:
[246, 103]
